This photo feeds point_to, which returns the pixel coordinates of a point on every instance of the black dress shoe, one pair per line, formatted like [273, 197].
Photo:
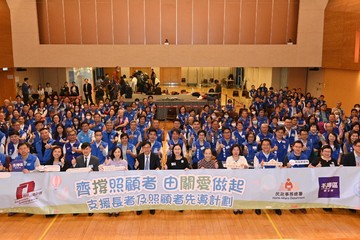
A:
[29, 214]
[90, 214]
[240, 211]
[258, 211]
[327, 209]
[138, 212]
[11, 214]
[110, 214]
[235, 212]
[352, 210]
[49, 215]
[181, 210]
[292, 210]
[152, 212]
[116, 214]
[303, 210]
[278, 212]
[75, 214]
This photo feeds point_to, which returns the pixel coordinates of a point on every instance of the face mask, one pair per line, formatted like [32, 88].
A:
[255, 122]
[233, 124]
[226, 116]
[88, 117]
[357, 108]
[337, 117]
[317, 114]
[76, 109]
[76, 123]
[213, 116]
[253, 112]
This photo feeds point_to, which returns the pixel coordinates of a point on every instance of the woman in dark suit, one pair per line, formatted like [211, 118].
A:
[177, 160]
[57, 158]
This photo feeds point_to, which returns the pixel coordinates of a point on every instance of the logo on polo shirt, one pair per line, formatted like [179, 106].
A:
[329, 187]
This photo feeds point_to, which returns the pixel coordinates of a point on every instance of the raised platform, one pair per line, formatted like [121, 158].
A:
[168, 105]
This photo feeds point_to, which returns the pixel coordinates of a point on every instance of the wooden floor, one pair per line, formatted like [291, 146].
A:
[222, 224]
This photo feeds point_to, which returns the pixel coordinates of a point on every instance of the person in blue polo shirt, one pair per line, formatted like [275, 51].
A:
[110, 136]
[85, 135]
[26, 161]
[99, 148]
[265, 155]
[279, 144]
[44, 146]
[223, 146]
[296, 154]
[128, 150]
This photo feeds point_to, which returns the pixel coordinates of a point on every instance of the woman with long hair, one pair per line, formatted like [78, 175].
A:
[57, 158]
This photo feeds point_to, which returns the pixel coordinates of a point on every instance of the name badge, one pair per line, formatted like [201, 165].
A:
[91, 166]
[173, 164]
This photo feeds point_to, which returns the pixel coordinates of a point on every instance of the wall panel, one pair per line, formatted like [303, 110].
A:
[279, 23]
[121, 22]
[104, 22]
[6, 50]
[8, 86]
[179, 21]
[263, 24]
[232, 21]
[88, 22]
[293, 20]
[136, 21]
[72, 22]
[56, 22]
[247, 28]
[43, 22]
[152, 20]
[201, 23]
[216, 21]
[168, 21]
[184, 21]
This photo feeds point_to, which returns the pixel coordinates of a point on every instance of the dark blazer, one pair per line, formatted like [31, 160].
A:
[94, 161]
[154, 161]
[87, 88]
[62, 169]
[348, 160]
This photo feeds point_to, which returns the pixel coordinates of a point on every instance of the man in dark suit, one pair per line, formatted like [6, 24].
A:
[147, 161]
[25, 90]
[87, 89]
[86, 160]
[352, 159]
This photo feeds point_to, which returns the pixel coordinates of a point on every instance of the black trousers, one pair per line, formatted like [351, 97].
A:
[88, 97]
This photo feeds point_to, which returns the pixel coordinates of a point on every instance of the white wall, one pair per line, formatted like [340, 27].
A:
[55, 76]
[257, 76]
[315, 81]
[197, 74]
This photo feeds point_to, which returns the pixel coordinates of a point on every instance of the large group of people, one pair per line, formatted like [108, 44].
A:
[280, 126]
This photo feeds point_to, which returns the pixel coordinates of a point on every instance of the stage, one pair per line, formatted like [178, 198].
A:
[168, 105]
